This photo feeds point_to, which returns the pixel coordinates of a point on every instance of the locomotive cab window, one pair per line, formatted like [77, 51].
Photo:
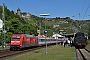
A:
[16, 37]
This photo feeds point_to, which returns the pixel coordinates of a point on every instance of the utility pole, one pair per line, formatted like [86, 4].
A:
[79, 16]
[3, 30]
[40, 28]
[56, 40]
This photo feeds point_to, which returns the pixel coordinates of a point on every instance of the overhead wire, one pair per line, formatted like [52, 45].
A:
[82, 9]
[86, 11]
[83, 6]
[13, 4]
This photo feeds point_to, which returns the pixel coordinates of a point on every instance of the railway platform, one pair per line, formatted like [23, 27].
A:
[1, 48]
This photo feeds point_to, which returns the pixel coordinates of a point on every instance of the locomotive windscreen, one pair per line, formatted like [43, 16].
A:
[15, 37]
[79, 34]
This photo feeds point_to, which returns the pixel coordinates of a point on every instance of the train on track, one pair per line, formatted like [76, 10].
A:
[19, 41]
[80, 41]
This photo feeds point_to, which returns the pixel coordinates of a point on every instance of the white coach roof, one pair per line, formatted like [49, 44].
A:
[57, 35]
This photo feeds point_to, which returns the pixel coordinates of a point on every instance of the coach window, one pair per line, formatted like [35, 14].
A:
[39, 40]
[42, 40]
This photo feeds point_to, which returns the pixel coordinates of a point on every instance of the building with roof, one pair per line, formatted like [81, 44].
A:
[56, 36]
[23, 14]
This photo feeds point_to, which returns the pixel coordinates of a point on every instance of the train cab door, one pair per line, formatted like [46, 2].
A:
[23, 42]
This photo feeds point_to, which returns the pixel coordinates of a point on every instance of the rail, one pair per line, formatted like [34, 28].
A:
[82, 54]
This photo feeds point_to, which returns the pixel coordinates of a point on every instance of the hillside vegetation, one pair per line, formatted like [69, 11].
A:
[17, 24]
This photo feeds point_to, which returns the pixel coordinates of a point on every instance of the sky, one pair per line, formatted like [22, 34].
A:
[75, 9]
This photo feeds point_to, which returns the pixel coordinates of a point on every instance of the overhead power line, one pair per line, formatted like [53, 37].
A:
[82, 9]
[12, 3]
[86, 11]
[83, 6]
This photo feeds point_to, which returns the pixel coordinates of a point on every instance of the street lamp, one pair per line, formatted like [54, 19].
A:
[44, 17]
[45, 31]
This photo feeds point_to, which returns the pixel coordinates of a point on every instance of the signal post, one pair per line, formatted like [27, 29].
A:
[45, 31]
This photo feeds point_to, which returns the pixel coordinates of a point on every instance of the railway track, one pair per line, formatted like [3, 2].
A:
[8, 54]
[82, 54]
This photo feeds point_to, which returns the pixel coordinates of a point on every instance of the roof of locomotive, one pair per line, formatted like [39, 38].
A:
[29, 35]
[19, 34]
[79, 34]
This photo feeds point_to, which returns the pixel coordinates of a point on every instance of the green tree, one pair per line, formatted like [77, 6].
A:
[50, 33]
[14, 25]
[8, 36]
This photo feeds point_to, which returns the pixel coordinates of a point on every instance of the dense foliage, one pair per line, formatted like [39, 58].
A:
[17, 24]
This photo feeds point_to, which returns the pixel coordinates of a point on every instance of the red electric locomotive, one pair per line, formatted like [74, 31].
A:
[19, 41]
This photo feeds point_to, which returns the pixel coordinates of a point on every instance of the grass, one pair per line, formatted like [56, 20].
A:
[89, 43]
[54, 53]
